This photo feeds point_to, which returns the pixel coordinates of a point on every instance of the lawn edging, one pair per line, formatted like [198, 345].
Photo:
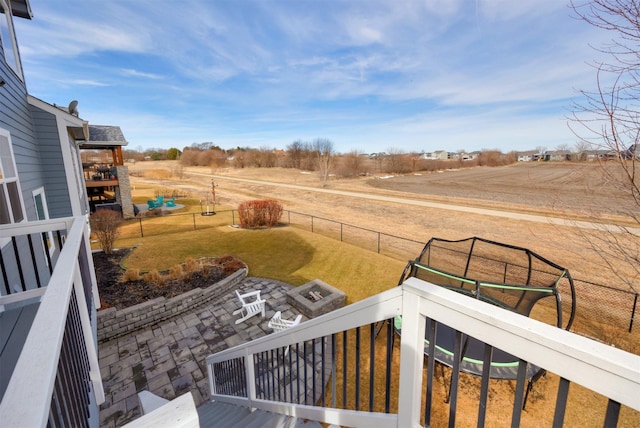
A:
[114, 323]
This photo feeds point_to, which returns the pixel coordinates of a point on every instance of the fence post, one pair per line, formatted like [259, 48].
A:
[289, 216]
[194, 221]
[378, 242]
[141, 231]
[633, 312]
[311, 224]
[340, 231]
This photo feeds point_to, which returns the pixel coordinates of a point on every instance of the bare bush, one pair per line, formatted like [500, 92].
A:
[257, 213]
[191, 265]
[131, 275]
[351, 165]
[105, 224]
[156, 212]
[153, 277]
[230, 264]
[176, 272]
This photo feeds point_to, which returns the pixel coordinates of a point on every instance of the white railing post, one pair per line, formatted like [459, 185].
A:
[87, 332]
[251, 378]
[212, 379]
[411, 361]
[92, 271]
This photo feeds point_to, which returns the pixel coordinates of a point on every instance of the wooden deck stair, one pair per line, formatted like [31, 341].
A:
[181, 412]
[216, 414]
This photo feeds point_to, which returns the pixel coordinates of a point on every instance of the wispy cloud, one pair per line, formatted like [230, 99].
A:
[466, 74]
[135, 73]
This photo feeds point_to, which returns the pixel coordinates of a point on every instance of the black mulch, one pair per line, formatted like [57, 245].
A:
[114, 292]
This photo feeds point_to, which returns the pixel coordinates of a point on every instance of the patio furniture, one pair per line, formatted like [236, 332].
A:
[170, 202]
[277, 323]
[160, 201]
[252, 304]
[151, 204]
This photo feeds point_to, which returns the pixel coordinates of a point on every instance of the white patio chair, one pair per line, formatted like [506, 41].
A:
[252, 304]
[277, 323]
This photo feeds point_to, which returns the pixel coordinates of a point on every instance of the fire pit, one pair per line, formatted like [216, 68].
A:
[315, 298]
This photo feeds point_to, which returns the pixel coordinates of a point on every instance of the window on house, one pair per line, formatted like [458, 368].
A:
[7, 39]
[11, 205]
[42, 212]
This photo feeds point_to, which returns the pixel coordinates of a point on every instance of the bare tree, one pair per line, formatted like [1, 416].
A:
[609, 118]
[351, 164]
[295, 153]
[397, 161]
[323, 157]
[105, 224]
[581, 149]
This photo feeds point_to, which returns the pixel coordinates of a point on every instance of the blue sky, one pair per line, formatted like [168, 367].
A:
[367, 75]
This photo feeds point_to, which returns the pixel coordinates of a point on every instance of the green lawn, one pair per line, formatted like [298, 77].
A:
[286, 254]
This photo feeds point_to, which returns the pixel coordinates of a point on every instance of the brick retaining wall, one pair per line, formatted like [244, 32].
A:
[114, 323]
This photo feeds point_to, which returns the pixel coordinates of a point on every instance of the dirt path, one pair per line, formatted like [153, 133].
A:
[445, 206]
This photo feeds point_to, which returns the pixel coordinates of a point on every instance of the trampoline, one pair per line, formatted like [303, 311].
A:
[513, 278]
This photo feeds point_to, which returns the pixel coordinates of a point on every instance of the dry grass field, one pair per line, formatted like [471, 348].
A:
[572, 191]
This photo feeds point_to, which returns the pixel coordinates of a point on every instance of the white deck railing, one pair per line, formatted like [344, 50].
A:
[604, 369]
[61, 329]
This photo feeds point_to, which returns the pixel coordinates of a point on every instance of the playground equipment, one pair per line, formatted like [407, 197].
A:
[513, 278]
[210, 202]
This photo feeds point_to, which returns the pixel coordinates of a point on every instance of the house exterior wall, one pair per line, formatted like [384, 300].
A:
[15, 118]
[56, 190]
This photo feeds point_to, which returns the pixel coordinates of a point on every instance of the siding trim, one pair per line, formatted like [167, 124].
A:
[64, 121]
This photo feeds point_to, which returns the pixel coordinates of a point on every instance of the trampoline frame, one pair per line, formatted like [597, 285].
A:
[508, 370]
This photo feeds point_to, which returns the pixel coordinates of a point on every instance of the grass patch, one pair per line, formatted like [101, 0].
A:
[290, 255]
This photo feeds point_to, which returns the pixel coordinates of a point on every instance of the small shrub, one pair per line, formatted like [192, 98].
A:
[230, 265]
[156, 212]
[191, 265]
[259, 213]
[176, 272]
[153, 277]
[105, 223]
[131, 275]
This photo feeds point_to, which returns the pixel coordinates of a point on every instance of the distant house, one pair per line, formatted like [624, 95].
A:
[556, 155]
[437, 155]
[527, 156]
[471, 155]
[107, 183]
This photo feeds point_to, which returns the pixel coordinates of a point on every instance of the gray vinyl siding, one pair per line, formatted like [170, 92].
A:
[16, 118]
[56, 187]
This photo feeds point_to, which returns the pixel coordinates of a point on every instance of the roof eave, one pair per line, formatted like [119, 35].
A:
[21, 9]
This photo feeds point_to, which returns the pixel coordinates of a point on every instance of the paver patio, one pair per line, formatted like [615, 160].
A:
[168, 358]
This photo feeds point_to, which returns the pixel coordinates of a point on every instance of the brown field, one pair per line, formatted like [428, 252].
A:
[573, 191]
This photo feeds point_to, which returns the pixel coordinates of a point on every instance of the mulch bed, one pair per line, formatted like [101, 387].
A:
[114, 292]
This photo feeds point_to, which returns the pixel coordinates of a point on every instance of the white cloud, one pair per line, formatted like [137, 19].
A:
[135, 73]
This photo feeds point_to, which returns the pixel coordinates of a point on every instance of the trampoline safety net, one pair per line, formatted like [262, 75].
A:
[512, 277]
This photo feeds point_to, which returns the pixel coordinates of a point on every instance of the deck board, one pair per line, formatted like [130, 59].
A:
[14, 328]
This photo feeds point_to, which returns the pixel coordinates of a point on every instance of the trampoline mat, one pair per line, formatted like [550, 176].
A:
[503, 364]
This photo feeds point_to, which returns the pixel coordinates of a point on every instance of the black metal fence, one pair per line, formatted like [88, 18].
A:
[612, 306]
